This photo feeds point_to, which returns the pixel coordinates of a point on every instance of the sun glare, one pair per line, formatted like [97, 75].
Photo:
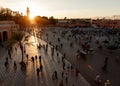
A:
[32, 16]
[35, 9]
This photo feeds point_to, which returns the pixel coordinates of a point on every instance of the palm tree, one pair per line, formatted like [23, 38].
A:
[17, 37]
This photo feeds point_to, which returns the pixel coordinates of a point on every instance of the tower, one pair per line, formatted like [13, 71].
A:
[28, 12]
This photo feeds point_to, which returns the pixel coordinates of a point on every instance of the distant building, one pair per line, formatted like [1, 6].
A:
[106, 23]
[71, 23]
[63, 23]
[6, 29]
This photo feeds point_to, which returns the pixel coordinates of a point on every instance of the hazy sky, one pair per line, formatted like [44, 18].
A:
[65, 8]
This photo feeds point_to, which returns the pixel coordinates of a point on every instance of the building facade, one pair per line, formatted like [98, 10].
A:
[6, 29]
[106, 23]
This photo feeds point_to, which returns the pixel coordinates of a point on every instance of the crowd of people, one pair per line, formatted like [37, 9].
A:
[84, 38]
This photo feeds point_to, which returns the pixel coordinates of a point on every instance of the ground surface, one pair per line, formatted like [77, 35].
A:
[94, 62]
[10, 76]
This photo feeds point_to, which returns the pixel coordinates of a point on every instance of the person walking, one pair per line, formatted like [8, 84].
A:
[41, 67]
[27, 56]
[77, 71]
[36, 57]
[9, 53]
[6, 62]
[107, 83]
[38, 70]
[40, 59]
[15, 65]
[63, 65]
[55, 73]
[32, 59]
[62, 74]
[104, 67]
[16, 49]
[66, 79]
[97, 79]
[106, 60]
[105, 64]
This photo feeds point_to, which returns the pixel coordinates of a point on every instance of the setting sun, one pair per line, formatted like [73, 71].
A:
[36, 9]
[32, 16]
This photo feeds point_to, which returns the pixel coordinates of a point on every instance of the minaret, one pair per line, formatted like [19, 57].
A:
[28, 12]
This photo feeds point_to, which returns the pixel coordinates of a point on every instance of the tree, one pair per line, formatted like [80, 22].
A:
[5, 14]
[41, 21]
[8, 14]
[52, 20]
[17, 37]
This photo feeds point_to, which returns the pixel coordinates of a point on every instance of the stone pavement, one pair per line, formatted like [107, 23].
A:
[94, 62]
[16, 77]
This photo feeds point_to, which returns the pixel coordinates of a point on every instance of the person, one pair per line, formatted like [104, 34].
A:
[97, 79]
[32, 58]
[55, 73]
[6, 64]
[7, 59]
[27, 56]
[15, 66]
[9, 53]
[62, 59]
[23, 66]
[57, 54]
[106, 60]
[38, 70]
[41, 67]
[52, 51]
[61, 45]
[36, 57]
[77, 71]
[71, 67]
[16, 49]
[40, 58]
[62, 74]
[64, 55]
[104, 67]
[63, 65]
[66, 79]
[107, 83]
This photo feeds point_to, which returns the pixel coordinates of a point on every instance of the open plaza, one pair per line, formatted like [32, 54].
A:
[80, 56]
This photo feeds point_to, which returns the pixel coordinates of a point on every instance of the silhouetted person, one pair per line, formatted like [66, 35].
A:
[40, 58]
[56, 75]
[63, 65]
[9, 53]
[77, 71]
[41, 67]
[106, 60]
[32, 59]
[38, 70]
[105, 67]
[36, 57]
[27, 56]
[66, 79]
[15, 65]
